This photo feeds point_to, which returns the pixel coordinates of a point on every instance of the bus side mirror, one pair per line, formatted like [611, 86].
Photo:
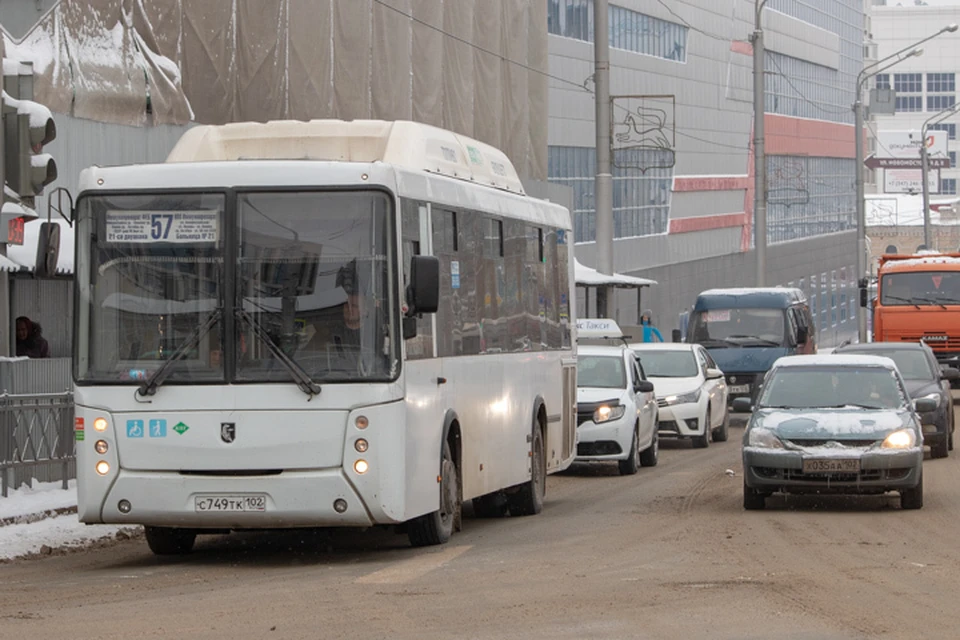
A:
[48, 250]
[423, 294]
[677, 335]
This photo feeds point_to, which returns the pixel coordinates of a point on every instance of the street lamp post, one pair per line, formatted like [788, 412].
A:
[759, 150]
[925, 166]
[865, 74]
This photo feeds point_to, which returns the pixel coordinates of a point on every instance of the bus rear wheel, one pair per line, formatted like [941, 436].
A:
[528, 499]
[437, 527]
[167, 541]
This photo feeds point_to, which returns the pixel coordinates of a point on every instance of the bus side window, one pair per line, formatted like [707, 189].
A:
[792, 334]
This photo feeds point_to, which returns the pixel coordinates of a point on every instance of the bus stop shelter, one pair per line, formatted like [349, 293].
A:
[588, 278]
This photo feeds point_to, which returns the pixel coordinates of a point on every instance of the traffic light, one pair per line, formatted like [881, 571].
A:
[27, 128]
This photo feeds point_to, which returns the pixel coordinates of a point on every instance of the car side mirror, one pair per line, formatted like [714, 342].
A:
[644, 386]
[714, 374]
[742, 405]
[423, 294]
[949, 373]
[925, 405]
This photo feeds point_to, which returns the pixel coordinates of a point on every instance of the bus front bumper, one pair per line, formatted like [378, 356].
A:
[288, 499]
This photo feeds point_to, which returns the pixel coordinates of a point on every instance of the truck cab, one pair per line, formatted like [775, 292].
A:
[918, 297]
[746, 330]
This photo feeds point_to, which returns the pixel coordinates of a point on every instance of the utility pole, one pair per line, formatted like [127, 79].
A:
[603, 187]
[759, 153]
[924, 177]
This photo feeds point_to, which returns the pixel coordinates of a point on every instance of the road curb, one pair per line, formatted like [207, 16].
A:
[27, 518]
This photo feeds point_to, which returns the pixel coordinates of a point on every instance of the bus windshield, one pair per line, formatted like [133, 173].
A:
[310, 301]
[921, 288]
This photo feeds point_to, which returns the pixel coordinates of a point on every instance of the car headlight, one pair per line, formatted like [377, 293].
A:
[606, 413]
[932, 396]
[684, 398]
[764, 438]
[900, 439]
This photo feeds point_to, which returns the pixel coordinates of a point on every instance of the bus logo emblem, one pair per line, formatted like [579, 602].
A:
[228, 431]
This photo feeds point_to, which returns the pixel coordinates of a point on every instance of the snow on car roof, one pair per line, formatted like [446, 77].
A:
[598, 350]
[661, 346]
[749, 291]
[835, 359]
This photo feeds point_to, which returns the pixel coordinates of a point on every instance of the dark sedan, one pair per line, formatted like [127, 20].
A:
[925, 379]
[833, 424]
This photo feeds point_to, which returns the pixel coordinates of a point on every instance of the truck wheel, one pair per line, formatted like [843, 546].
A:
[437, 527]
[528, 500]
[167, 541]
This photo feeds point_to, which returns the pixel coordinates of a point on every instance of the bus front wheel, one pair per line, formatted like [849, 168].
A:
[167, 541]
[437, 527]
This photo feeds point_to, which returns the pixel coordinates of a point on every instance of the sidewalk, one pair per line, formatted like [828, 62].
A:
[43, 521]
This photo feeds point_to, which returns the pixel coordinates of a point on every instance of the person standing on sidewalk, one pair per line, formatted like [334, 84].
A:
[649, 331]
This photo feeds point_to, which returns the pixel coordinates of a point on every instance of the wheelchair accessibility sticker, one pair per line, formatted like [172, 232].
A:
[134, 428]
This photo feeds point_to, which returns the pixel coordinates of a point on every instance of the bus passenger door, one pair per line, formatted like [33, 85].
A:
[569, 411]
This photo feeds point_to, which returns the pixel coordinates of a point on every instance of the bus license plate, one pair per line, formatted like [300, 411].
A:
[222, 503]
[821, 465]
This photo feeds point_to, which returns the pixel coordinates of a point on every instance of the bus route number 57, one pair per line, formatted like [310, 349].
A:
[160, 225]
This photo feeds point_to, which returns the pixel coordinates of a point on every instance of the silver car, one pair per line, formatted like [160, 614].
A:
[833, 424]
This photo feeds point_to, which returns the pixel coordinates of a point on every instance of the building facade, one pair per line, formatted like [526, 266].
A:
[925, 86]
[681, 77]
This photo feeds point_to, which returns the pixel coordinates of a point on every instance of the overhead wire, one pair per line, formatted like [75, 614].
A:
[571, 83]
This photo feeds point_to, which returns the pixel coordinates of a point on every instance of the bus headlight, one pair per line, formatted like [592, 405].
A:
[361, 445]
[101, 447]
[362, 422]
[100, 424]
[103, 467]
[361, 466]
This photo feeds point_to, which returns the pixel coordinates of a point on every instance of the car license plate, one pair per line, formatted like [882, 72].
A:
[826, 465]
[221, 503]
[739, 388]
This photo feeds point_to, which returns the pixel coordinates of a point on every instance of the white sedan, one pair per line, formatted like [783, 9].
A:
[691, 391]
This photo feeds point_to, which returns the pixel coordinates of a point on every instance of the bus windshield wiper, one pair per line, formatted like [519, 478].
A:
[149, 386]
[304, 382]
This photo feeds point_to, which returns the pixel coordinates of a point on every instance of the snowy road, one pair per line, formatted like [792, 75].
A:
[668, 553]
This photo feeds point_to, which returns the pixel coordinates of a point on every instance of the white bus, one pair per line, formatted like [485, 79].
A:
[319, 324]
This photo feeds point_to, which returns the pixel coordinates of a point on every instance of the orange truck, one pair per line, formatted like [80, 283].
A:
[918, 300]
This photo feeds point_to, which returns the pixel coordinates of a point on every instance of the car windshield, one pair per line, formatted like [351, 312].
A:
[668, 364]
[739, 327]
[913, 364]
[601, 372]
[922, 288]
[812, 387]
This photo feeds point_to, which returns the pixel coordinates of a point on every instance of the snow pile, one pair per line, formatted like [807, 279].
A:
[42, 497]
[42, 520]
